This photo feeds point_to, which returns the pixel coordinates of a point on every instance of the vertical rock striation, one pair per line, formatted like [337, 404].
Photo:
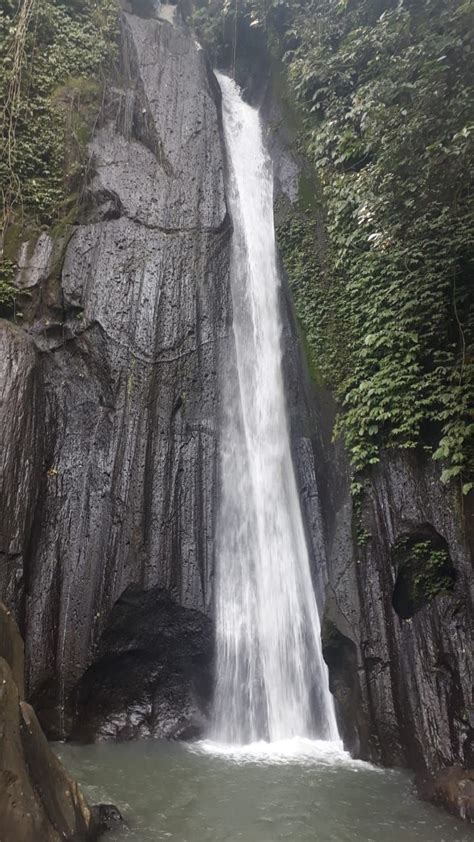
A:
[21, 455]
[115, 416]
[402, 675]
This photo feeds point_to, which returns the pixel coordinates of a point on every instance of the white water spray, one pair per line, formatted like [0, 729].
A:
[272, 682]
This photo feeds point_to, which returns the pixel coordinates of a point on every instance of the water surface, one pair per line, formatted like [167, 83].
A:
[303, 792]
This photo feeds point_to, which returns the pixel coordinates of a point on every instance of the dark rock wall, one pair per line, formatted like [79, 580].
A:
[113, 398]
[412, 675]
[21, 455]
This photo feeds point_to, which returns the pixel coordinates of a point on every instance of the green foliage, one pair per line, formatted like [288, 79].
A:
[385, 92]
[425, 571]
[394, 151]
[213, 21]
[53, 57]
[431, 578]
[7, 290]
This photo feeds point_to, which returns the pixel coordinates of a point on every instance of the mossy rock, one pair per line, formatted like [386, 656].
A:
[425, 571]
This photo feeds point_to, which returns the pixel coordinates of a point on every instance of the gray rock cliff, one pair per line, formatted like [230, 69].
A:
[111, 396]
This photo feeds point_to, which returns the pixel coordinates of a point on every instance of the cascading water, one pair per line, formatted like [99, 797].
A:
[272, 682]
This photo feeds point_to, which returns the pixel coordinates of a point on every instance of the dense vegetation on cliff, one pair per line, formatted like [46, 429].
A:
[385, 92]
[53, 57]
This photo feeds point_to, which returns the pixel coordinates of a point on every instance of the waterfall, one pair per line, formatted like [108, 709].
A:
[272, 682]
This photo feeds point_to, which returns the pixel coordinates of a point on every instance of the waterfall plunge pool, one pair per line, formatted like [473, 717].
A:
[301, 791]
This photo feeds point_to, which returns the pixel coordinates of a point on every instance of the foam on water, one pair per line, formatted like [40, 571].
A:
[296, 751]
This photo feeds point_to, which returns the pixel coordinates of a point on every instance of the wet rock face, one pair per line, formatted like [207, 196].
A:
[21, 455]
[112, 453]
[152, 675]
[410, 631]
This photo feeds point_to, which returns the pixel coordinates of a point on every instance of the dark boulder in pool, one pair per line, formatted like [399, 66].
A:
[152, 674]
[106, 817]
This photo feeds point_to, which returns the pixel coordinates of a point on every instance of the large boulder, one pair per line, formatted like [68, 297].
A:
[152, 675]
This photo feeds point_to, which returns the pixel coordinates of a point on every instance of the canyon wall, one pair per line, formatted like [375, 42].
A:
[111, 406]
[111, 386]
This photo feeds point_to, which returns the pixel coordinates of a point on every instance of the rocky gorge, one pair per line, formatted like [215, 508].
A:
[110, 424]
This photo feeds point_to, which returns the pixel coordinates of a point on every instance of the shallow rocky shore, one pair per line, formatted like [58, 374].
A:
[39, 801]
